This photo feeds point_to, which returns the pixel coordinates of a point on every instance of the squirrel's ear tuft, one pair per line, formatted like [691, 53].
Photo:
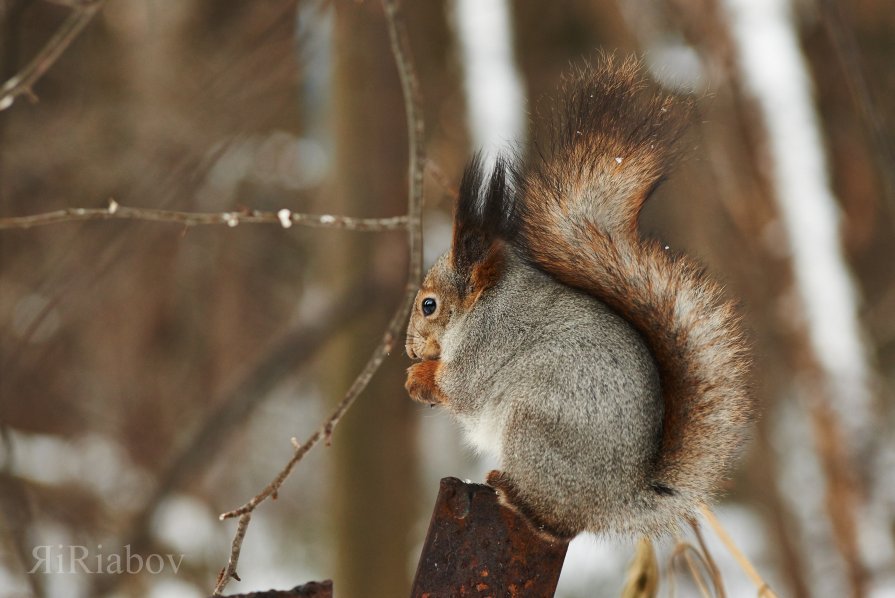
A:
[484, 215]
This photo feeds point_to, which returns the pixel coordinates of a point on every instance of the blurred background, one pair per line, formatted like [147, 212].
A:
[152, 375]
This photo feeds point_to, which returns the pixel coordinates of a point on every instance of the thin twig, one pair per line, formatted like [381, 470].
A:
[324, 432]
[22, 82]
[284, 218]
[230, 570]
[764, 590]
[413, 107]
[416, 135]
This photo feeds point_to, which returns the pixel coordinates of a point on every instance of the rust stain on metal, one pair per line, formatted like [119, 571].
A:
[472, 537]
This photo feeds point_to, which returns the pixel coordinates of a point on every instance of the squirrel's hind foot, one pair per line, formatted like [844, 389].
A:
[543, 524]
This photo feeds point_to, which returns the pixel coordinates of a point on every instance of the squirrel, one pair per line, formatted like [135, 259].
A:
[607, 375]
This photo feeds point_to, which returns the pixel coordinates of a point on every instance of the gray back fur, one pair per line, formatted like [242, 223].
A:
[583, 449]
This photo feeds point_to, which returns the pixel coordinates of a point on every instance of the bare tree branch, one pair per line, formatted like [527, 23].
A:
[284, 218]
[22, 82]
[415, 129]
[416, 136]
[71, 3]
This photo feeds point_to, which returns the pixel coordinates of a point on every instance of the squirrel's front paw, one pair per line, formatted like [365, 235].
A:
[422, 384]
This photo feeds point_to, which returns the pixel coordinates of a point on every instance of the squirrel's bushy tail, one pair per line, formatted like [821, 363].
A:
[577, 209]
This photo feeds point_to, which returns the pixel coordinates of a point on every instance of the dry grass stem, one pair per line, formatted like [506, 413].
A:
[688, 551]
[643, 574]
[714, 572]
[764, 589]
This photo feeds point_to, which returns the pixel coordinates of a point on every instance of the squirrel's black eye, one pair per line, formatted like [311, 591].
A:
[428, 306]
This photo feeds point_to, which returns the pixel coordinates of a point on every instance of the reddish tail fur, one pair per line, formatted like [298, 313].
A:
[577, 212]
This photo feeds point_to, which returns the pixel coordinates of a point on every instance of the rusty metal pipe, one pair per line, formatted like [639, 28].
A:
[477, 547]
